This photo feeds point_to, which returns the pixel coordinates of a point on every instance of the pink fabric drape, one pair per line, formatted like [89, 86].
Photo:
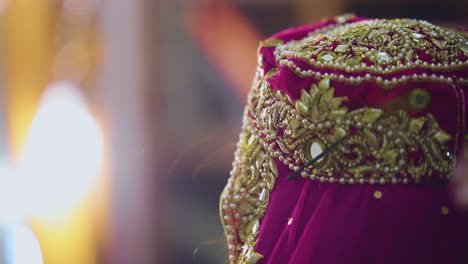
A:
[311, 222]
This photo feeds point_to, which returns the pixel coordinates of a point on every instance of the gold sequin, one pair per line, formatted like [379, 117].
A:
[419, 99]
[290, 220]
[444, 210]
[353, 61]
[377, 195]
[327, 56]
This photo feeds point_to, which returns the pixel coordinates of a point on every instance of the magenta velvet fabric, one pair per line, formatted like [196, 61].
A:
[335, 223]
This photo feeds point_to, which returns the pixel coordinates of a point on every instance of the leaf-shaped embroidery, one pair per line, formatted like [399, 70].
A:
[271, 73]
[267, 43]
[320, 102]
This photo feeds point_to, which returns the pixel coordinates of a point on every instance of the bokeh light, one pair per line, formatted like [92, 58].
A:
[22, 246]
[63, 153]
[13, 205]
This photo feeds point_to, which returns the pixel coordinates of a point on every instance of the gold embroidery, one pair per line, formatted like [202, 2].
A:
[271, 73]
[344, 17]
[326, 56]
[372, 50]
[246, 195]
[379, 147]
[270, 42]
[251, 257]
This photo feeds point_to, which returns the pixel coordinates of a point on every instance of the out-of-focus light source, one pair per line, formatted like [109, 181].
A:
[3, 5]
[21, 246]
[63, 153]
[72, 62]
[13, 206]
[80, 7]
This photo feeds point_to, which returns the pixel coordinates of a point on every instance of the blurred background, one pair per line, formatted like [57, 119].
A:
[118, 119]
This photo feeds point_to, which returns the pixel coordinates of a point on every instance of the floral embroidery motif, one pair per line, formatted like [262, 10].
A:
[378, 147]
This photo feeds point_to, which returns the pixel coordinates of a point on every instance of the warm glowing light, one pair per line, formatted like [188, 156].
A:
[62, 154]
[12, 204]
[3, 5]
[21, 246]
[80, 7]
